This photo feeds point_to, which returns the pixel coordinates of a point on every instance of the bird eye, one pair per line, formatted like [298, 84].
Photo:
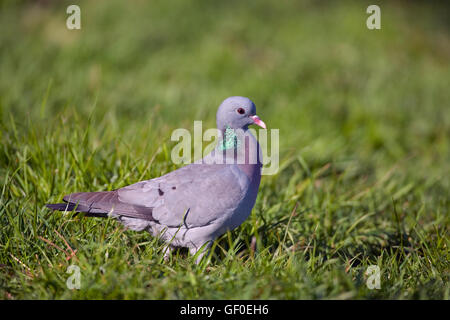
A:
[240, 111]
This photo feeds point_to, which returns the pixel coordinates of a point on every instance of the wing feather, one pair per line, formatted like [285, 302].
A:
[194, 195]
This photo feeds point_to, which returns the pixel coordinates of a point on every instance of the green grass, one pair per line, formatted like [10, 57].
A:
[364, 145]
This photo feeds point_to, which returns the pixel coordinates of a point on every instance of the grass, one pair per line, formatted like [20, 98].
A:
[364, 145]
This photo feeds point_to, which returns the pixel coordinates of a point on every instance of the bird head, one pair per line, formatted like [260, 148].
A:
[237, 113]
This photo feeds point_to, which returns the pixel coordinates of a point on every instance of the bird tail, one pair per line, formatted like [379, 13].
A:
[77, 202]
[102, 204]
[61, 206]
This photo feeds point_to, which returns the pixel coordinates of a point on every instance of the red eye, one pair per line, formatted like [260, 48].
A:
[241, 111]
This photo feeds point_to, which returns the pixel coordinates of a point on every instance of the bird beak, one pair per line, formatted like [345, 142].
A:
[258, 121]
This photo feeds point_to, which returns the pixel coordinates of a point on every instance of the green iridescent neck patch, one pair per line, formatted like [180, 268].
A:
[230, 140]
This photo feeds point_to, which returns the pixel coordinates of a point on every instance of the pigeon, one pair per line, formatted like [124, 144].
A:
[192, 206]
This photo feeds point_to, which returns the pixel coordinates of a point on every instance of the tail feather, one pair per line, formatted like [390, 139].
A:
[100, 204]
[74, 207]
[61, 206]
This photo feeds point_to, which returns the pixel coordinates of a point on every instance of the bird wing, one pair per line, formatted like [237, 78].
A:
[194, 195]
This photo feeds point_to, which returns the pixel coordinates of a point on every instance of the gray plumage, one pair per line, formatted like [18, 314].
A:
[195, 204]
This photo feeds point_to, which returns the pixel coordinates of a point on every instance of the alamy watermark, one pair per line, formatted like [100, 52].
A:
[374, 20]
[374, 277]
[74, 19]
[74, 281]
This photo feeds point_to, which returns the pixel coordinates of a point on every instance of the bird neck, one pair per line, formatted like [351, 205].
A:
[238, 146]
[230, 140]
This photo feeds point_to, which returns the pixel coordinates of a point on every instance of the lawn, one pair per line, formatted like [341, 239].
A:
[364, 145]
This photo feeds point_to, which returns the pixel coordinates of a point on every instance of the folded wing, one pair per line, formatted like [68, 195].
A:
[194, 195]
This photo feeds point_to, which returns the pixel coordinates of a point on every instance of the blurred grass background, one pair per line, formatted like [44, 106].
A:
[364, 144]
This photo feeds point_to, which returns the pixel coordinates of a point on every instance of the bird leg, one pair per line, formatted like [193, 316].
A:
[168, 252]
[204, 250]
